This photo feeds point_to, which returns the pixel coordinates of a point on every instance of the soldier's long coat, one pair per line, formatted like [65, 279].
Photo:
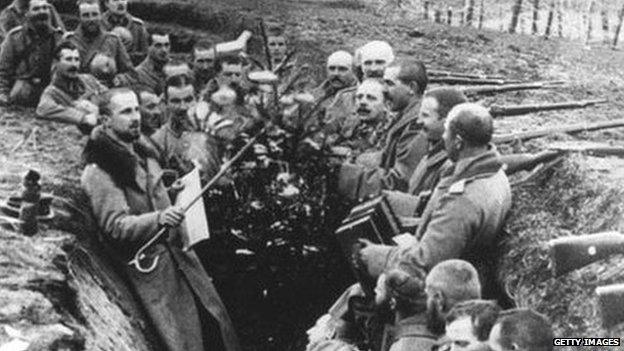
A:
[429, 170]
[105, 43]
[406, 144]
[127, 194]
[464, 219]
[58, 103]
[27, 55]
[136, 27]
[12, 17]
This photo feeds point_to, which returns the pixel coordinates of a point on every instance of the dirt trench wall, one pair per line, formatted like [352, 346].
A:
[57, 290]
[571, 200]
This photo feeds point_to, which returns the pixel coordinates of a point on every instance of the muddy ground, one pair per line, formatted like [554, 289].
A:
[52, 291]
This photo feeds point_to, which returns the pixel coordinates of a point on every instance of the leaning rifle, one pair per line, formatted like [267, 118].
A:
[573, 252]
[441, 73]
[469, 81]
[495, 89]
[504, 111]
[573, 128]
[140, 256]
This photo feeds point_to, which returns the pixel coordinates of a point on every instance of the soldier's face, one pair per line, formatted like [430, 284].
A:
[338, 74]
[160, 48]
[125, 119]
[369, 101]
[373, 67]
[90, 17]
[231, 73]
[203, 60]
[68, 63]
[277, 47]
[39, 12]
[461, 336]
[117, 6]
[430, 118]
[398, 94]
[151, 111]
[179, 100]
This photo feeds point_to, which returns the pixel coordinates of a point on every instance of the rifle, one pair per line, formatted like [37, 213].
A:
[611, 304]
[590, 148]
[573, 128]
[469, 81]
[523, 162]
[573, 252]
[498, 110]
[441, 73]
[494, 89]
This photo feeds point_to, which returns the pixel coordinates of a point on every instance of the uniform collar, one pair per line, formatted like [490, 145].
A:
[486, 163]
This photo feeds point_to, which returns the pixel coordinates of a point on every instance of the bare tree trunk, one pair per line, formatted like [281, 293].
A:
[500, 18]
[618, 28]
[449, 16]
[590, 11]
[560, 18]
[481, 13]
[469, 12]
[437, 16]
[604, 15]
[522, 23]
[549, 21]
[426, 10]
[535, 16]
[515, 12]
[461, 17]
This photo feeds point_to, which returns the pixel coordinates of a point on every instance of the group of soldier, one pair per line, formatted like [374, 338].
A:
[390, 133]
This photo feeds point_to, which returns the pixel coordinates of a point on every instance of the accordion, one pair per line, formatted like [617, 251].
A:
[373, 220]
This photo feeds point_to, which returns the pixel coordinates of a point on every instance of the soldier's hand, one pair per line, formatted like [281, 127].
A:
[91, 119]
[374, 256]
[171, 217]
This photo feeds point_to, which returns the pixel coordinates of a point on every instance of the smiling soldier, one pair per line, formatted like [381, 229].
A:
[362, 130]
[68, 98]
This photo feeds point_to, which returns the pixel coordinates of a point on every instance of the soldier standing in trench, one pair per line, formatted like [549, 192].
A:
[124, 184]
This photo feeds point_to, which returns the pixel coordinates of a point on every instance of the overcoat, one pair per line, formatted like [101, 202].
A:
[405, 145]
[127, 198]
[136, 27]
[105, 43]
[463, 219]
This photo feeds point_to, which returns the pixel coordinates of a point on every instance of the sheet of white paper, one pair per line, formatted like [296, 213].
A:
[195, 222]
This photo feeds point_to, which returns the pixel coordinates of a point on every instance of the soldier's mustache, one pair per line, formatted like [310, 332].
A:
[363, 110]
[375, 74]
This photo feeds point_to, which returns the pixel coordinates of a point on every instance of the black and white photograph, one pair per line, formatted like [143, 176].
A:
[311, 175]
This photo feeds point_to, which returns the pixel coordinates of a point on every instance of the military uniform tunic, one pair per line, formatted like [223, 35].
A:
[12, 17]
[136, 27]
[464, 219]
[25, 63]
[58, 101]
[105, 43]
[405, 145]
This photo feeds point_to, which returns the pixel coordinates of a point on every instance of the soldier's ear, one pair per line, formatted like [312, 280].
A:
[414, 88]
